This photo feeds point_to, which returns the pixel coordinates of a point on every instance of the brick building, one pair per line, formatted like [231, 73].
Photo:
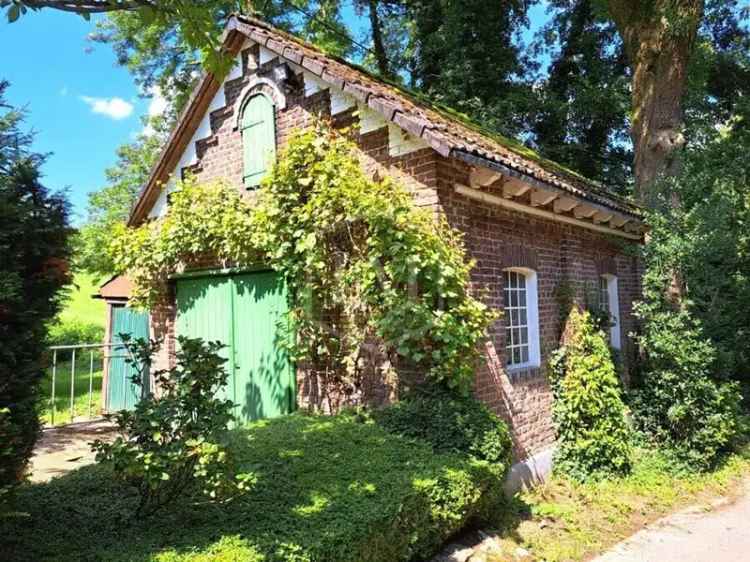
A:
[532, 226]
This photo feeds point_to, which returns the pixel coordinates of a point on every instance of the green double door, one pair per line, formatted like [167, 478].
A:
[247, 313]
[122, 394]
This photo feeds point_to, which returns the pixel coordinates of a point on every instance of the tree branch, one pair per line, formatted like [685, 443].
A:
[91, 6]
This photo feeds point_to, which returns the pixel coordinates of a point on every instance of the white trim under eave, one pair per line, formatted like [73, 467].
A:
[478, 195]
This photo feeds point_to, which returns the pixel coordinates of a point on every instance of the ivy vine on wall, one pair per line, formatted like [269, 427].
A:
[362, 263]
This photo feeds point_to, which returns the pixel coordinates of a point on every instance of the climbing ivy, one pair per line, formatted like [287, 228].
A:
[366, 269]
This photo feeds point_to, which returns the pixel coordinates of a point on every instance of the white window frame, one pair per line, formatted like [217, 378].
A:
[613, 302]
[532, 318]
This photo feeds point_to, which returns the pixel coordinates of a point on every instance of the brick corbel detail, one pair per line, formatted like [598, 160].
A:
[518, 256]
[606, 265]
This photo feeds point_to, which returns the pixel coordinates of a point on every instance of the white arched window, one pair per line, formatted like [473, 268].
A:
[521, 318]
[609, 302]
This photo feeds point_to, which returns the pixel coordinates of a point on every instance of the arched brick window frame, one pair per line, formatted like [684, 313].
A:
[521, 308]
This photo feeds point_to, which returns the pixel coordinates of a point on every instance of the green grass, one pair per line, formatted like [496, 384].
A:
[79, 306]
[62, 412]
[566, 521]
[328, 489]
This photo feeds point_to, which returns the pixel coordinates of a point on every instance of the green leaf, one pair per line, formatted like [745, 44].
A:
[14, 12]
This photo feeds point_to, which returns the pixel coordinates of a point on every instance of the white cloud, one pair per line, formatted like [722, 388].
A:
[114, 108]
[158, 103]
[157, 106]
[64, 91]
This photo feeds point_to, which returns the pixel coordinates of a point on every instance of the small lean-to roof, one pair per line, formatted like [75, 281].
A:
[116, 288]
[449, 133]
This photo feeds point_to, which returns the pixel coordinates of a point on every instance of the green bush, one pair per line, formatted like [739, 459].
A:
[176, 438]
[451, 424]
[33, 271]
[677, 403]
[593, 438]
[74, 332]
[328, 489]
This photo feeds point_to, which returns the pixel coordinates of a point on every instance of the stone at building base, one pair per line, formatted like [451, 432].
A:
[529, 472]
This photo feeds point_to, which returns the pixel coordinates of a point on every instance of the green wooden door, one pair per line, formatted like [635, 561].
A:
[203, 312]
[244, 312]
[263, 377]
[122, 394]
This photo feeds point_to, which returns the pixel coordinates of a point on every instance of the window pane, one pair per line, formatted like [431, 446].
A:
[522, 298]
[524, 338]
[525, 354]
[522, 320]
[516, 356]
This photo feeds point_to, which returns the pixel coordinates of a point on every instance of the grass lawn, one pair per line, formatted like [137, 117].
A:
[328, 489]
[79, 306]
[565, 521]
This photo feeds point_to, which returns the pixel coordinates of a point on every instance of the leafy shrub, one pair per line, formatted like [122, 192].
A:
[176, 438]
[328, 488]
[593, 438]
[33, 271]
[451, 424]
[72, 332]
[677, 403]
[679, 399]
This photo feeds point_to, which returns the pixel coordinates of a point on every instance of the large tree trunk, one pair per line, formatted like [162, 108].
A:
[658, 36]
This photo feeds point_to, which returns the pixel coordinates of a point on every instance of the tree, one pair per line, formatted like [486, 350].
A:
[658, 36]
[465, 56]
[112, 204]
[581, 120]
[196, 20]
[34, 251]
[165, 52]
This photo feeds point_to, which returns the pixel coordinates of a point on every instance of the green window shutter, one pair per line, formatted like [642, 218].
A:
[258, 139]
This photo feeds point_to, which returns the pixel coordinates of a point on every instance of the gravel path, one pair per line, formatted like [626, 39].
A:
[692, 535]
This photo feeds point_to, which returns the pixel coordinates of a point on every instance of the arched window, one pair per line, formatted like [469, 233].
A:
[609, 302]
[521, 318]
[258, 138]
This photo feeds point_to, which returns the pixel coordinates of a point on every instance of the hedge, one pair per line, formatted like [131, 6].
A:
[329, 489]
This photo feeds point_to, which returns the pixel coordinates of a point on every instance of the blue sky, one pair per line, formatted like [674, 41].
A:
[45, 59]
[80, 102]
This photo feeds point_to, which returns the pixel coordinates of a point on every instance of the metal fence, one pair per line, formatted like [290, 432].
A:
[77, 381]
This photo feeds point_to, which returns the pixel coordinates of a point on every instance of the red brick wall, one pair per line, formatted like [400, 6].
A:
[498, 239]
[495, 237]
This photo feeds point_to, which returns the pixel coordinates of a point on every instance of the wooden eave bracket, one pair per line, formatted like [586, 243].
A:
[560, 212]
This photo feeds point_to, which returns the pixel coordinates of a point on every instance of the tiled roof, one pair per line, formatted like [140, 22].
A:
[448, 133]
